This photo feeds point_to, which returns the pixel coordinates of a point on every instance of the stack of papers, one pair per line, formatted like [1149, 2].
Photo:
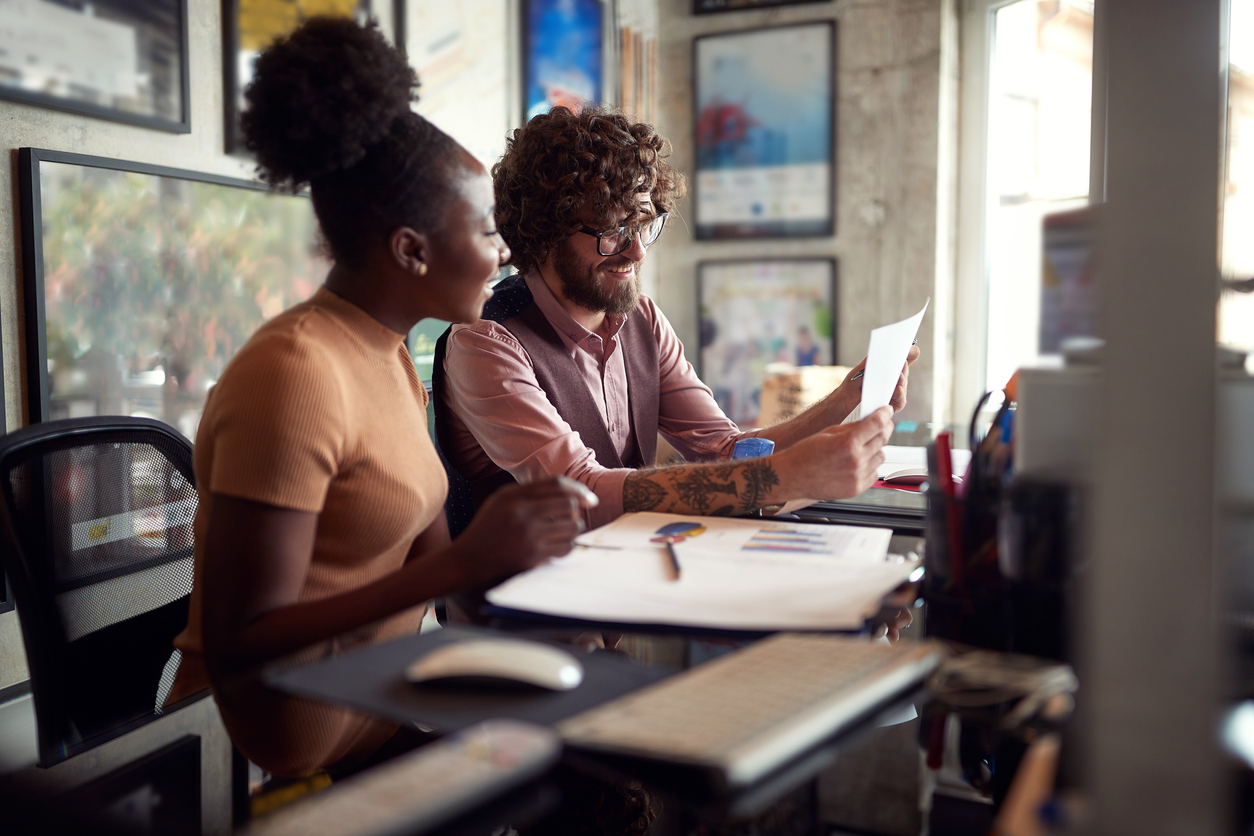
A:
[736, 575]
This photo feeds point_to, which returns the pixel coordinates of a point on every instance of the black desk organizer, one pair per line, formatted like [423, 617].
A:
[966, 603]
[1020, 556]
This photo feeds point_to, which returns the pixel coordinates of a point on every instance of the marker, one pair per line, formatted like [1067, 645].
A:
[674, 558]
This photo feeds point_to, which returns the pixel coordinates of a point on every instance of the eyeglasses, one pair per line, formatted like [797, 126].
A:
[614, 241]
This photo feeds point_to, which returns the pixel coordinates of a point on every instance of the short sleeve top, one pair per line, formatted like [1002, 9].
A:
[321, 411]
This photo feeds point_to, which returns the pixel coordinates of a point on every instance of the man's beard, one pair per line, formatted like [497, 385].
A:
[587, 290]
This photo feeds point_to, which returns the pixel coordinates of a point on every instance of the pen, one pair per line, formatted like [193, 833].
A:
[674, 558]
[862, 371]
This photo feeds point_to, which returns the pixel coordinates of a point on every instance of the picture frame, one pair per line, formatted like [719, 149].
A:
[467, 87]
[111, 59]
[765, 132]
[245, 34]
[705, 7]
[753, 312]
[140, 282]
[564, 47]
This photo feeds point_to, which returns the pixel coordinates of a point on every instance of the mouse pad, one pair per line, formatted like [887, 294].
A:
[372, 680]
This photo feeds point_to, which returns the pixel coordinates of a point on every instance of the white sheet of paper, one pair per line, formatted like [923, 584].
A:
[738, 574]
[885, 357]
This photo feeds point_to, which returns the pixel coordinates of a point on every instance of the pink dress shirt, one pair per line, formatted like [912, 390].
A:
[498, 412]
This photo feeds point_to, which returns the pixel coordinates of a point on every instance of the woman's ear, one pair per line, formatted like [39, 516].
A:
[410, 250]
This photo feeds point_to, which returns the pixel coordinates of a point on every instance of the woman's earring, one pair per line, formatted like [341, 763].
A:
[422, 268]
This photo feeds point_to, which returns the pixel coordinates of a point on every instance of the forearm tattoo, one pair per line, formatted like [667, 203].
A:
[759, 478]
[696, 486]
[704, 489]
[641, 492]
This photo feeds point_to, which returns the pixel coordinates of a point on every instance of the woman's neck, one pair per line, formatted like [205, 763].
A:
[354, 286]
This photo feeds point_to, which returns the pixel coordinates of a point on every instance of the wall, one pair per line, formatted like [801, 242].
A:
[893, 179]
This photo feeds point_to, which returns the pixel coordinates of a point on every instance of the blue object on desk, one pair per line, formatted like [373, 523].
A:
[752, 448]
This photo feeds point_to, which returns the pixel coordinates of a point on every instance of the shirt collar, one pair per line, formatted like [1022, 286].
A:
[558, 316]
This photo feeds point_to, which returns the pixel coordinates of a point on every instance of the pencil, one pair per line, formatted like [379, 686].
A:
[674, 558]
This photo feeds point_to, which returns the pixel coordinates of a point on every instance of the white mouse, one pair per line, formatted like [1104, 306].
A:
[499, 662]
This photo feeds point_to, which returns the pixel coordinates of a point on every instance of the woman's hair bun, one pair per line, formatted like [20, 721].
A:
[321, 97]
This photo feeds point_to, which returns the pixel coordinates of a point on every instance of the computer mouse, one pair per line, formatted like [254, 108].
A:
[498, 663]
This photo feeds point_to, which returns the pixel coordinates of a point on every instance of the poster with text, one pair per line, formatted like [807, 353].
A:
[764, 138]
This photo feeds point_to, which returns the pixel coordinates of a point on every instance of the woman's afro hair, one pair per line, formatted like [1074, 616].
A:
[330, 105]
[321, 97]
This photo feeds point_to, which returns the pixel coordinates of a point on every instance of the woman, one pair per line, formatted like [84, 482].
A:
[320, 523]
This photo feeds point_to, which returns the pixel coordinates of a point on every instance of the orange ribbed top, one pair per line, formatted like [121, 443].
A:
[320, 411]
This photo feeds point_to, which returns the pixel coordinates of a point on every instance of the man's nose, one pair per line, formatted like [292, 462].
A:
[636, 250]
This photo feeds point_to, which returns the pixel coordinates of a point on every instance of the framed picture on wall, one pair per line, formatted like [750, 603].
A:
[248, 27]
[765, 132]
[115, 59]
[459, 52]
[705, 7]
[141, 282]
[758, 312]
[563, 49]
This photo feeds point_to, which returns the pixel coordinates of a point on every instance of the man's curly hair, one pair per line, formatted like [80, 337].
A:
[562, 165]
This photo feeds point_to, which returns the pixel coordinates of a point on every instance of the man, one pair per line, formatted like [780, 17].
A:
[573, 372]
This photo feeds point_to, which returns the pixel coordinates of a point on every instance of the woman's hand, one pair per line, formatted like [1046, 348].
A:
[520, 526]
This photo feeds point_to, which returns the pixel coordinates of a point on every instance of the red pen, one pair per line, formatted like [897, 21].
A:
[953, 513]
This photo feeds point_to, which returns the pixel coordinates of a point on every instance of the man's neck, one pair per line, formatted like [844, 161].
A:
[594, 321]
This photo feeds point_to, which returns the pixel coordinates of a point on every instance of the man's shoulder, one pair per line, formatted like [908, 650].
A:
[510, 297]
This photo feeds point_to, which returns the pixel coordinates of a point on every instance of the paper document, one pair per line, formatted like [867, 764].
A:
[885, 357]
[736, 574]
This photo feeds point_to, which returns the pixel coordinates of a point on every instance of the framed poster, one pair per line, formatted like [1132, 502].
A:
[705, 7]
[563, 44]
[141, 282]
[765, 105]
[115, 59]
[248, 27]
[457, 50]
[754, 313]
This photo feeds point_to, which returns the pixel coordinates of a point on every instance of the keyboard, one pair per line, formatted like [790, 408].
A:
[746, 714]
[423, 789]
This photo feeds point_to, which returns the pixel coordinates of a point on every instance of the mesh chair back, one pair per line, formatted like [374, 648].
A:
[97, 519]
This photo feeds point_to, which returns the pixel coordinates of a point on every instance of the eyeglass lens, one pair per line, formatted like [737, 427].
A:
[615, 242]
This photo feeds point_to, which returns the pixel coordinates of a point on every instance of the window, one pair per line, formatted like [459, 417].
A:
[1236, 310]
[1028, 69]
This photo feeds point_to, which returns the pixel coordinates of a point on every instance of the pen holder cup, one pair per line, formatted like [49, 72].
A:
[1040, 535]
[965, 598]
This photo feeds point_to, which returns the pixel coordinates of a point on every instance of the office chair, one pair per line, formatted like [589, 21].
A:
[96, 536]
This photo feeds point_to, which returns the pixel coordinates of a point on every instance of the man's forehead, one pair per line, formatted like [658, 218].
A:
[615, 215]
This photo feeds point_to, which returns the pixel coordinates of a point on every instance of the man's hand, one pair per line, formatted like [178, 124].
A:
[840, 461]
[521, 526]
[898, 400]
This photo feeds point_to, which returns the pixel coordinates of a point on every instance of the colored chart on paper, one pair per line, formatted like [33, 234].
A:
[789, 538]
